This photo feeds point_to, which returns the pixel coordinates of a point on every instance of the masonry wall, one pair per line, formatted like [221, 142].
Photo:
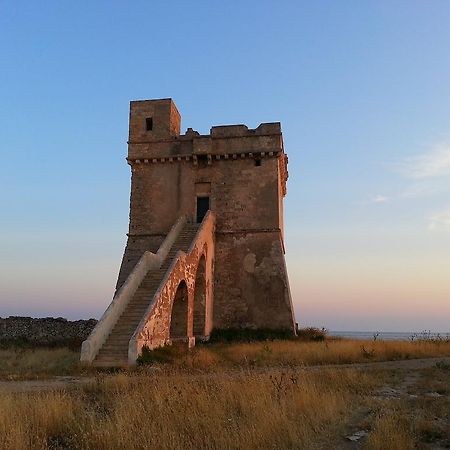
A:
[242, 172]
[251, 285]
[46, 331]
[243, 195]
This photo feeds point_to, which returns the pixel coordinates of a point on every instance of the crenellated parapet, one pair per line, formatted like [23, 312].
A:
[224, 142]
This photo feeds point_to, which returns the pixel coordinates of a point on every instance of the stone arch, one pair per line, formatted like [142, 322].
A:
[200, 297]
[179, 314]
[162, 323]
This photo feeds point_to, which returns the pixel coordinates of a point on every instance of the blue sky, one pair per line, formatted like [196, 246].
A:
[362, 89]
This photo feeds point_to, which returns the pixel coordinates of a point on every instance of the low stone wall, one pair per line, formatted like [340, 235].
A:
[47, 331]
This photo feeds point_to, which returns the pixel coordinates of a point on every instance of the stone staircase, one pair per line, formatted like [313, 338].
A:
[114, 351]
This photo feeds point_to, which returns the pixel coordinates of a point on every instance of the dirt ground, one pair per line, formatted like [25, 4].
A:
[412, 404]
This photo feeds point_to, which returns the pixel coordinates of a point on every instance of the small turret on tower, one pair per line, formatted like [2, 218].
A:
[152, 120]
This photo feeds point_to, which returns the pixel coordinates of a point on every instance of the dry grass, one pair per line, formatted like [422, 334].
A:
[296, 353]
[392, 431]
[219, 397]
[34, 421]
[17, 363]
[44, 363]
[430, 416]
[417, 418]
[175, 410]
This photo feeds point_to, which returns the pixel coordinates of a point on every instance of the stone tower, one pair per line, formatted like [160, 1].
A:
[236, 173]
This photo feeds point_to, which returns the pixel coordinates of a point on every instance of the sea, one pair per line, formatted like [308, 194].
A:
[391, 335]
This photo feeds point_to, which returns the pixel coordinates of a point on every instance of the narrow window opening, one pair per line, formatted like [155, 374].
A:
[202, 160]
[149, 123]
[258, 162]
[202, 208]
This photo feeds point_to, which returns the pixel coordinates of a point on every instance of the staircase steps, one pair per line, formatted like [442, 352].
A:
[114, 352]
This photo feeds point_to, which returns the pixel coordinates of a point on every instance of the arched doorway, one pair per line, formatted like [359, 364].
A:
[200, 300]
[179, 318]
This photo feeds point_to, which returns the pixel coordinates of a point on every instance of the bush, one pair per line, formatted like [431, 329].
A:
[158, 355]
[428, 336]
[249, 335]
[312, 334]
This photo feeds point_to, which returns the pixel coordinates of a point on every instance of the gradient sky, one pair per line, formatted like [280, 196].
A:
[362, 89]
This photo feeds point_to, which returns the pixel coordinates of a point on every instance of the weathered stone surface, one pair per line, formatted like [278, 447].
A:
[45, 331]
[189, 280]
[231, 273]
[244, 173]
[255, 293]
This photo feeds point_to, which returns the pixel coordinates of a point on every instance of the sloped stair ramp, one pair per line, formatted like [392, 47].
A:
[167, 297]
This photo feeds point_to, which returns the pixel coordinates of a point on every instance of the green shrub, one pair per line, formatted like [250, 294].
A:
[158, 355]
[249, 335]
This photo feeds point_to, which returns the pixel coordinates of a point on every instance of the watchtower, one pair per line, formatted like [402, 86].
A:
[227, 187]
[238, 173]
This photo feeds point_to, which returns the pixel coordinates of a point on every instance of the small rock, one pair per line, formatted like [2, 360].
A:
[355, 437]
[152, 369]
[433, 394]
[387, 391]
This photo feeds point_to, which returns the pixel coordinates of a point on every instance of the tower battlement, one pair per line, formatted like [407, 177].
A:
[155, 134]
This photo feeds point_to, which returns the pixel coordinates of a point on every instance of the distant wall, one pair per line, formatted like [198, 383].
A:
[47, 331]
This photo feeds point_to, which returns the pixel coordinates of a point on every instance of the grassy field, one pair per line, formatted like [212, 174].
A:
[19, 363]
[176, 410]
[279, 409]
[26, 363]
[236, 396]
[285, 353]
